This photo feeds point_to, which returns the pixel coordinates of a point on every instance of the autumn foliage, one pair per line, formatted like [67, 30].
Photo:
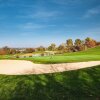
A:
[69, 46]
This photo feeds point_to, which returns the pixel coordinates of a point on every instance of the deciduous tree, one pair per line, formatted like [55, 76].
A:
[89, 42]
[69, 42]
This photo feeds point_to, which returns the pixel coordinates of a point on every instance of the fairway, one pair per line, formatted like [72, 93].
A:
[92, 54]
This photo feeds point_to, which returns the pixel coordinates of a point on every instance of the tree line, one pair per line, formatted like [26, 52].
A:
[68, 46]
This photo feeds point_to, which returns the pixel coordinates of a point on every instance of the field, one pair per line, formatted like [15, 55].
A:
[82, 84]
[92, 54]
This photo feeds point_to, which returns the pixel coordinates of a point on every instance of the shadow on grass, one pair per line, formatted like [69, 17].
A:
[82, 84]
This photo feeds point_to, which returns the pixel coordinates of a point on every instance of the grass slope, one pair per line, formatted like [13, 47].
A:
[90, 51]
[92, 54]
[83, 84]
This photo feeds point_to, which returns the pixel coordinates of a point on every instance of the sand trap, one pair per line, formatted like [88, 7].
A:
[20, 67]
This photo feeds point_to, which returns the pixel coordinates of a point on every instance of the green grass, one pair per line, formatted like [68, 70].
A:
[83, 84]
[4, 56]
[63, 59]
[91, 51]
[92, 54]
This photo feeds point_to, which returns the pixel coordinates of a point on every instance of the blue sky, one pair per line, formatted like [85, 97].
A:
[31, 23]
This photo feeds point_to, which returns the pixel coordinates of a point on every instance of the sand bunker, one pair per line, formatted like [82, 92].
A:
[20, 67]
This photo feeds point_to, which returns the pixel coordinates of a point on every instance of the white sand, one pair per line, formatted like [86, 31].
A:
[21, 67]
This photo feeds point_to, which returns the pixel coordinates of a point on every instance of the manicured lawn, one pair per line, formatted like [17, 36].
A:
[63, 59]
[83, 84]
[92, 54]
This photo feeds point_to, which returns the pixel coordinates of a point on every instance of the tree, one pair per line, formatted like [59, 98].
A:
[12, 51]
[98, 43]
[62, 46]
[52, 47]
[78, 42]
[79, 45]
[69, 42]
[30, 50]
[90, 42]
[2, 52]
[6, 49]
[41, 48]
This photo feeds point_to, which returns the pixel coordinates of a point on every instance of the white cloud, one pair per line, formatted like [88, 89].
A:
[45, 14]
[41, 15]
[32, 26]
[92, 12]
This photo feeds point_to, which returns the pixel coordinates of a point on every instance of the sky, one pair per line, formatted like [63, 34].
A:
[32, 23]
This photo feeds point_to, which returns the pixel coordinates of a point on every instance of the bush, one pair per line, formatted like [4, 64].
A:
[17, 56]
[42, 54]
[30, 56]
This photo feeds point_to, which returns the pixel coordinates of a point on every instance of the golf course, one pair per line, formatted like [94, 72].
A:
[49, 49]
[81, 84]
[92, 54]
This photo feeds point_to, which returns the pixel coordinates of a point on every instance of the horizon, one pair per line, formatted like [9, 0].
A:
[40, 23]
[47, 45]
